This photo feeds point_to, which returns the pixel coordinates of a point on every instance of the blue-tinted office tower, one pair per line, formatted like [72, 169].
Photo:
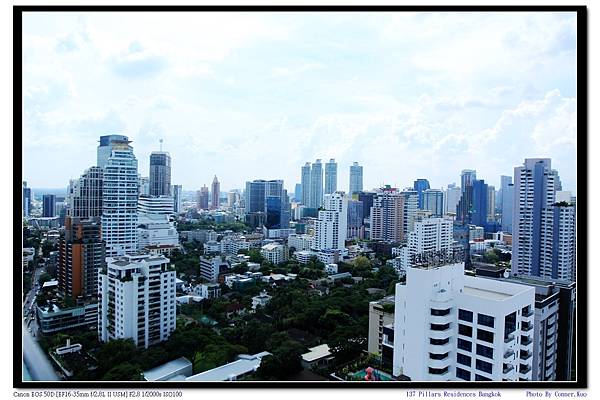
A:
[465, 204]
[26, 200]
[255, 196]
[330, 176]
[298, 192]
[433, 200]
[356, 178]
[508, 195]
[273, 205]
[366, 198]
[480, 203]
[48, 205]
[355, 214]
[269, 198]
[420, 186]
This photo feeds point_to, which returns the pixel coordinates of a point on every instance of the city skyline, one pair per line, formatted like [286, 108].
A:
[298, 99]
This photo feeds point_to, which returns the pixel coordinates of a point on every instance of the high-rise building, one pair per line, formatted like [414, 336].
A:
[84, 198]
[316, 184]
[298, 193]
[465, 204]
[356, 178]
[120, 200]
[330, 176]
[411, 199]
[505, 180]
[81, 256]
[355, 219]
[387, 217]
[26, 200]
[421, 185]
[543, 239]
[331, 225]
[160, 173]
[270, 198]
[144, 184]
[479, 204]
[433, 201]
[48, 205]
[508, 198]
[215, 193]
[202, 201]
[429, 234]
[137, 299]
[177, 198]
[105, 148]
[449, 326]
[491, 208]
[451, 198]
[305, 183]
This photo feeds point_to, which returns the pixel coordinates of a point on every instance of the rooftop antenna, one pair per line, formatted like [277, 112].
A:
[160, 140]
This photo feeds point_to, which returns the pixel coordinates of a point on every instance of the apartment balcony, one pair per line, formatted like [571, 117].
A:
[440, 348]
[441, 319]
[526, 327]
[526, 341]
[524, 369]
[507, 368]
[446, 333]
[509, 338]
[509, 353]
[525, 355]
[527, 314]
[440, 377]
[440, 364]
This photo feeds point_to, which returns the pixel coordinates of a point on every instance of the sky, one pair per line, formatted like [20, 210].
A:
[256, 95]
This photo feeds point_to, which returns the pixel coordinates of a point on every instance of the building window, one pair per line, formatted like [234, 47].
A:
[481, 378]
[463, 374]
[485, 351]
[440, 327]
[465, 345]
[483, 366]
[485, 336]
[435, 356]
[439, 342]
[465, 330]
[465, 315]
[486, 320]
[463, 359]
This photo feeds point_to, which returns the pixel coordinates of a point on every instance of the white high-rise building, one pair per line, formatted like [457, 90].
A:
[429, 234]
[137, 299]
[411, 205]
[156, 230]
[144, 184]
[356, 178]
[451, 198]
[448, 327]
[120, 200]
[105, 148]
[543, 242]
[84, 197]
[330, 176]
[331, 226]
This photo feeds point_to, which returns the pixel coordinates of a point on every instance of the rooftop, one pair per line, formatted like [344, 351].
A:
[316, 353]
[485, 293]
[156, 374]
[245, 364]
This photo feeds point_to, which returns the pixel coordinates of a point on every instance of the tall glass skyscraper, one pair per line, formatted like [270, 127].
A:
[421, 185]
[120, 200]
[26, 200]
[479, 215]
[215, 194]
[316, 184]
[268, 197]
[330, 176]
[48, 205]
[356, 178]
[305, 184]
[433, 200]
[84, 199]
[105, 148]
[160, 173]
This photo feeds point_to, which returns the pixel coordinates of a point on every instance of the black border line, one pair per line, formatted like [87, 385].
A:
[582, 226]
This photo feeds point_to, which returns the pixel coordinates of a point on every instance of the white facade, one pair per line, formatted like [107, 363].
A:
[451, 198]
[331, 226]
[156, 205]
[211, 267]
[448, 326]
[261, 300]
[274, 253]
[300, 242]
[430, 234]
[120, 200]
[156, 230]
[137, 299]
